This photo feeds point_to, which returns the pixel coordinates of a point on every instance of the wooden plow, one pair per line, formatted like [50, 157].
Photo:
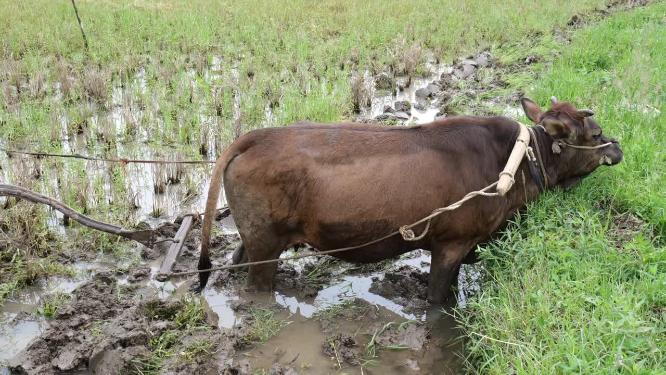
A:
[147, 237]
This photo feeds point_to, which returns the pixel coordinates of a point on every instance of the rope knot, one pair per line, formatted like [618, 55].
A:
[406, 233]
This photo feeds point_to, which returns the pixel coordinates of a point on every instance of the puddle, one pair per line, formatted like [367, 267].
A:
[299, 344]
[349, 288]
[422, 113]
[20, 322]
[219, 303]
[14, 336]
[311, 346]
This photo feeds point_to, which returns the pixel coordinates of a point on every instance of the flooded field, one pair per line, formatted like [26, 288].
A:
[329, 316]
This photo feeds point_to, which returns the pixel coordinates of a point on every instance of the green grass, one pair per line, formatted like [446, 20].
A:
[51, 304]
[297, 59]
[563, 295]
[28, 249]
[188, 317]
[263, 324]
[198, 349]
[300, 57]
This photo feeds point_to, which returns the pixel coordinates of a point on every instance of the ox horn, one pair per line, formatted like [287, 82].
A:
[553, 100]
[586, 112]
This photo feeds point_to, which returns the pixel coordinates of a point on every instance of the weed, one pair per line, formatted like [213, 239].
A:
[95, 85]
[409, 58]
[28, 249]
[198, 349]
[187, 315]
[161, 349]
[263, 325]
[64, 78]
[361, 95]
[96, 328]
[191, 314]
[51, 304]
[346, 307]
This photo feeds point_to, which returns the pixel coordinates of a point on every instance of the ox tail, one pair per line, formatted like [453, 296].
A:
[209, 215]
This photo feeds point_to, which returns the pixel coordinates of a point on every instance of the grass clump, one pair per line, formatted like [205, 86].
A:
[347, 308]
[188, 318]
[197, 349]
[29, 250]
[263, 324]
[51, 304]
[564, 295]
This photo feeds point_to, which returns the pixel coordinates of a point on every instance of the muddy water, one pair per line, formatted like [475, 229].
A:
[131, 128]
[300, 344]
[19, 321]
[435, 347]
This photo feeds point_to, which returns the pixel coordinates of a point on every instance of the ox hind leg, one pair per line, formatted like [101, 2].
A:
[240, 255]
[261, 277]
[444, 267]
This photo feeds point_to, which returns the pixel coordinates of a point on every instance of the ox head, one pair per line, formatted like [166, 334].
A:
[578, 143]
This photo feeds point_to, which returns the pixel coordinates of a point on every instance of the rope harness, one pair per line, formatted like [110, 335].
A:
[537, 161]
[558, 145]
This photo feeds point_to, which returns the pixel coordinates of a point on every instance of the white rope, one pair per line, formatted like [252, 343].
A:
[407, 232]
[562, 143]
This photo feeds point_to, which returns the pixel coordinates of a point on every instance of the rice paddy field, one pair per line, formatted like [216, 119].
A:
[575, 284]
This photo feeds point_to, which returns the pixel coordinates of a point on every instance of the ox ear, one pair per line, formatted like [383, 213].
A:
[532, 110]
[555, 126]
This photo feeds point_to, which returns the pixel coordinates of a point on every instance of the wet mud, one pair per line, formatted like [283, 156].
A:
[328, 317]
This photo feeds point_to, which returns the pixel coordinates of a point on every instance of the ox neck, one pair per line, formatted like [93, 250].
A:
[545, 144]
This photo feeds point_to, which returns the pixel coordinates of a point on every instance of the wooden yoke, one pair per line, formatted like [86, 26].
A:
[506, 179]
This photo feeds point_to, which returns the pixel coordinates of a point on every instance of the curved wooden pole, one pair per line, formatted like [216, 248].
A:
[146, 237]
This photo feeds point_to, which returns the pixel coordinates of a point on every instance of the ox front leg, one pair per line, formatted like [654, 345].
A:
[444, 266]
[261, 277]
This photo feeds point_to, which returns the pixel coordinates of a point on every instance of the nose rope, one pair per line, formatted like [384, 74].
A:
[565, 144]
[557, 145]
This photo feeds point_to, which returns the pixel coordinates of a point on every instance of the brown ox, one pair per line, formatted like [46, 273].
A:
[340, 185]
